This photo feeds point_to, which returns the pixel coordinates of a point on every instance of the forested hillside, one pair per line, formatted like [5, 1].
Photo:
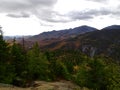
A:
[103, 42]
[22, 67]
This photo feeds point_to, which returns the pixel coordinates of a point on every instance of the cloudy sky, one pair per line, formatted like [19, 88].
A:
[30, 17]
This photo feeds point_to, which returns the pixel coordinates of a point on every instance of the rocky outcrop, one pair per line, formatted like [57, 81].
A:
[89, 50]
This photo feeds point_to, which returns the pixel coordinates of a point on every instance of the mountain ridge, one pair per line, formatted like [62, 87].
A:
[63, 34]
[102, 42]
[115, 27]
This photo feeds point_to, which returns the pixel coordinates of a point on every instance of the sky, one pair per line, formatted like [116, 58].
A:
[31, 17]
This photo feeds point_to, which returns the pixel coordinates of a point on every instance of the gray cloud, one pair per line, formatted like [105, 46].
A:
[44, 24]
[23, 5]
[24, 8]
[43, 9]
[98, 0]
[92, 13]
[19, 15]
[105, 11]
[101, 11]
[77, 15]
[116, 11]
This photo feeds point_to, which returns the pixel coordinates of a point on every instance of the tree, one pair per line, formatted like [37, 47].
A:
[96, 74]
[19, 62]
[112, 78]
[37, 64]
[6, 69]
[4, 49]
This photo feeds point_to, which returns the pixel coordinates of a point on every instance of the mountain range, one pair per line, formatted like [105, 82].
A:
[69, 33]
[63, 34]
[88, 40]
[104, 42]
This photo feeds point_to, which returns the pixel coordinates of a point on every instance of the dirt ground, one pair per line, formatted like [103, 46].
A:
[42, 85]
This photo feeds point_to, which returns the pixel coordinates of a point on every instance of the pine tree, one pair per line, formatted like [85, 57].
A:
[19, 62]
[37, 64]
[6, 69]
[4, 50]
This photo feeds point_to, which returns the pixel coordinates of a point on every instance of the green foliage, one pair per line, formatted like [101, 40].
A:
[6, 69]
[94, 73]
[18, 58]
[4, 50]
[81, 77]
[113, 76]
[60, 70]
[19, 63]
[37, 64]
[98, 75]
[6, 73]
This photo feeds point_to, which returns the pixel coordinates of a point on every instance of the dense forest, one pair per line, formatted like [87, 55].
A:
[21, 67]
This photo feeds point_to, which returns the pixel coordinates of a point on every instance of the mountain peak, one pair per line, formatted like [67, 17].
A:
[85, 26]
[66, 33]
[112, 27]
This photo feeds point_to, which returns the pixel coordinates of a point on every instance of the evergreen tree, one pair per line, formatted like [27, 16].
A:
[6, 69]
[37, 64]
[19, 62]
[4, 50]
[112, 78]
[96, 74]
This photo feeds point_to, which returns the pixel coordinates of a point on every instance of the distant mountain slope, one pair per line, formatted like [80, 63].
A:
[112, 27]
[63, 34]
[85, 39]
[105, 41]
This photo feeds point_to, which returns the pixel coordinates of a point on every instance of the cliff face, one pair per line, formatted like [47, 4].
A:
[89, 50]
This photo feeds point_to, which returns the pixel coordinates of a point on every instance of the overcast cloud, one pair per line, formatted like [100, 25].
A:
[25, 8]
[43, 9]
[90, 14]
[19, 15]
[98, 0]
